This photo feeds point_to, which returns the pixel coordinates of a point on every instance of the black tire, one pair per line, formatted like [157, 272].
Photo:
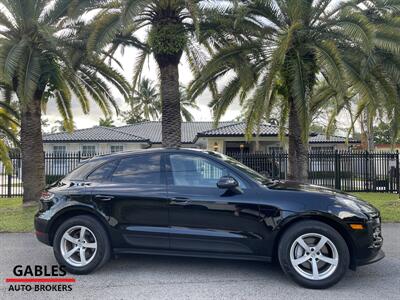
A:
[313, 227]
[102, 254]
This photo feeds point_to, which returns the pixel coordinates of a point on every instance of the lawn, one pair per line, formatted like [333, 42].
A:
[388, 204]
[16, 218]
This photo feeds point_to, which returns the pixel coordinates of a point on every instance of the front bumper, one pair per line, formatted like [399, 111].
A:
[368, 243]
[377, 257]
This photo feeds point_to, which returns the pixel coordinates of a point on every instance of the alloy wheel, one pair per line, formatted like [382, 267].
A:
[314, 256]
[78, 246]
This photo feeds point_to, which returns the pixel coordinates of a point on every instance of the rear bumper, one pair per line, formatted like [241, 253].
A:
[41, 229]
[43, 237]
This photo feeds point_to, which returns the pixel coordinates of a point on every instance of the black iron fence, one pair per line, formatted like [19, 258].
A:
[352, 171]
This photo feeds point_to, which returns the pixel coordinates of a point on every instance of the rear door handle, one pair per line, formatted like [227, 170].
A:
[103, 197]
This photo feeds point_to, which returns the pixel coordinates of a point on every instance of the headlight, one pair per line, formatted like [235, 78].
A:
[357, 205]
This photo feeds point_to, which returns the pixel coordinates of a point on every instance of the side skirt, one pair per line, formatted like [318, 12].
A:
[192, 254]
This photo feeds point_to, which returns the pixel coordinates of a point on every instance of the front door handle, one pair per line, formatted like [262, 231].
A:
[180, 200]
[103, 197]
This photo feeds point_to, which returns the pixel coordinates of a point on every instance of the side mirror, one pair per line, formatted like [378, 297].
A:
[227, 183]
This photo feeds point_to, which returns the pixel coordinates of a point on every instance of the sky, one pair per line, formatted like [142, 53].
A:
[150, 71]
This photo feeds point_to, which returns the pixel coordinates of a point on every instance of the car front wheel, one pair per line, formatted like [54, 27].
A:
[81, 245]
[313, 254]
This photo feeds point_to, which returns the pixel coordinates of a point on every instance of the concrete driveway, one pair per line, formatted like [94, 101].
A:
[154, 277]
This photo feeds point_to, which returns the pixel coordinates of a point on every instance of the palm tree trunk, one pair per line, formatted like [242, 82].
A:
[298, 150]
[32, 150]
[171, 105]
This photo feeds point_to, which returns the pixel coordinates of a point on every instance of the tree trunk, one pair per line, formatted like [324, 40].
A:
[32, 150]
[298, 150]
[171, 105]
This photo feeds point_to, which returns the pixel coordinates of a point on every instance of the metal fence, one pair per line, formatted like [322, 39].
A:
[352, 171]
[56, 167]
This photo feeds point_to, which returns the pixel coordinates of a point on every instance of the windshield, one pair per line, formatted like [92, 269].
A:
[238, 165]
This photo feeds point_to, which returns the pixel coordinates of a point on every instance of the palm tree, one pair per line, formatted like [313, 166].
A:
[146, 99]
[9, 126]
[279, 52]
[146, 102]
[172, 28]
[106, 122]
[186, 103]
[43, 58]
[61, 126]
[376, 92]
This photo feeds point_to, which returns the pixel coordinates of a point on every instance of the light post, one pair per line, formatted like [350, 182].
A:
[215, 147]
[241, 152]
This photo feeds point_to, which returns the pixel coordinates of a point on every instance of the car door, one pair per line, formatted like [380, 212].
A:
[133, 196]
[205, 218]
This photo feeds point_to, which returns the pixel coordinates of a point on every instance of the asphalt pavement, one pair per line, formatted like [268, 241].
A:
[160, 277]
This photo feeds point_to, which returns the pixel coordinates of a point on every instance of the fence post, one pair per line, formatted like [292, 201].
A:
[397, 173]
[9, 186]
[273, 164]
[338, 184]
[366, 182]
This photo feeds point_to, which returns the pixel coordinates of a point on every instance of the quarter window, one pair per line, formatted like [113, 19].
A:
[140, 169]
[195, 171]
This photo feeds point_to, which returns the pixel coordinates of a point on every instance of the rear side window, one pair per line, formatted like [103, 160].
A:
[103, 172]
[140, 169]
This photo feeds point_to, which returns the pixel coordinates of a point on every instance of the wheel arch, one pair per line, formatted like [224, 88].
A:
[65, 214]
[292, 221]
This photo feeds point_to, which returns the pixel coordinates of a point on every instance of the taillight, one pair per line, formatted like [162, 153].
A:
[47, 196]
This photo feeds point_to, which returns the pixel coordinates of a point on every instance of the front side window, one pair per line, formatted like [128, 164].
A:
[88, 150]
[195, 171]
[234, 163]
[140, 169]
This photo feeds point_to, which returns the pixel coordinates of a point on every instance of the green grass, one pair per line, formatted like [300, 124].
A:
[16, 218]
[388, 204]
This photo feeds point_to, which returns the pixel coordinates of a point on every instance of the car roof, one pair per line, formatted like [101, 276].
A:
[147, 151]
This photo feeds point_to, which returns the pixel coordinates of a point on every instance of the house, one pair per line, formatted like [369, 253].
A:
[226, 137]
[387, 147]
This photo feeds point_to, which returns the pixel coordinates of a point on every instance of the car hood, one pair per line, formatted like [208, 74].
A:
[301, 186]
[342, 199]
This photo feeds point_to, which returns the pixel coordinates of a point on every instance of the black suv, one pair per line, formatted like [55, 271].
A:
[204, 204]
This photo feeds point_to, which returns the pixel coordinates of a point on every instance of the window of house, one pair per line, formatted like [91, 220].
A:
[59, 150]
[323, 148]
[116, 148]
[140, 169]
[88, 150]
[275, 149]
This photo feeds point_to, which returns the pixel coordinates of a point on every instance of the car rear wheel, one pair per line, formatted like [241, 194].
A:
[81, 245]
[313, 254]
